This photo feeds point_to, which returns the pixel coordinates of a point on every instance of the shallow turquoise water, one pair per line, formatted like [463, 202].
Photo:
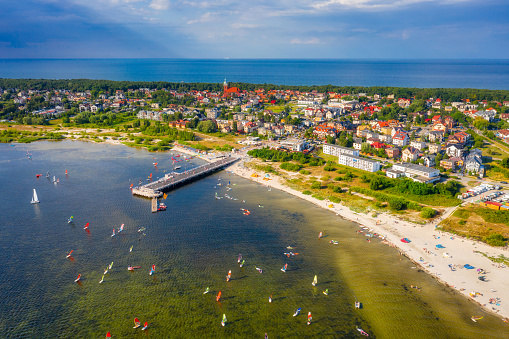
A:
[193, 245]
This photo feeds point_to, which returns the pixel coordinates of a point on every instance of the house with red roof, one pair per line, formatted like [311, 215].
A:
[400, 139]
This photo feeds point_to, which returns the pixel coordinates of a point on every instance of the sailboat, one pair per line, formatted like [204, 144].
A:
[284, 268]
[111, 265]
[475, 318]
[131, 249]
[145, 326]
[70, 219]
[242, 263]
[136, 323]
[361, 331]
[223, 322]
[102, 279]
[86, 226]
[315, 281]
[310, 317]
[47, 175]
[153, 270]
[297, 312]
[54, 179]
[78, 278]
[240, 258]
[108, 335]
[326, 292]
[270, 298]
[206, 290]
[218, 296]
[113, 233]
[69, 254]
[121, 228]
[259, 269]
[35, 200]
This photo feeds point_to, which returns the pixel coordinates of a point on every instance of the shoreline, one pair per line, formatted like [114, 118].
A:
[422, 249]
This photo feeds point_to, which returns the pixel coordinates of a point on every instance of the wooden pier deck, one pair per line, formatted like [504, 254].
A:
[155, 189]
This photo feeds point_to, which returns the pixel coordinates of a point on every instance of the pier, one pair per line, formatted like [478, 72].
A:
[171, 180]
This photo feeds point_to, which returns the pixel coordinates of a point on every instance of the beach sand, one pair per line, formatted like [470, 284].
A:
[457, 251]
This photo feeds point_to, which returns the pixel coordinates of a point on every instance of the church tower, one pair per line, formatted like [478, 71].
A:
[225, 86]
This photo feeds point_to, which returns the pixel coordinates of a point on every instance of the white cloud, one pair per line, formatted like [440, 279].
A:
[160, 4]
[370, 4]
[239, 25]
[312, 41]
[204, 18]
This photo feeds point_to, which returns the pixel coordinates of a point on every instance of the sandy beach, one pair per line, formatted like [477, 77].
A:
[445, 264]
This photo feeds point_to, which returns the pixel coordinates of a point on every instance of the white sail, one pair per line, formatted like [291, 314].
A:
[35, 200]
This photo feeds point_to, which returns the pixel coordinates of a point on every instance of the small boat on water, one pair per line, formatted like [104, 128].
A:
[132, 268]
[70, 220]
[38, 176]
[121, 228]
[78, 278]
[242, 263]
[47, 175]
[111, 265]
[270, 298]
[86, 226]
[358, 304]
[326, 292]
[229, 276]
[141, 230]
[284, 268]
[102, 279]
[136, 323]
[131, 249]
[315, 281]
[259, 270]
[320, 235]
[113, 233]
[108, 335]
[218, 297]
[206, 290]
[145, 326]
[162, 207]
[475, 318]
[297, 312]
[361, 331]
[35, 199]
[177, 167]
[310, 317]
[239, 259]
[223, 322]
[153, 270]
[69, 254]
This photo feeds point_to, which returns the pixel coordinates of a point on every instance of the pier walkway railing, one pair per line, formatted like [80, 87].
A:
[155, 189]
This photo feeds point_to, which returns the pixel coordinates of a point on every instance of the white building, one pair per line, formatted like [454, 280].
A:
[415, 172]
[358, 162]
[294, 144]
[337, 150]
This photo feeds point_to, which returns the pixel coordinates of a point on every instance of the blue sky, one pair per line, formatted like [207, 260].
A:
[416, 29]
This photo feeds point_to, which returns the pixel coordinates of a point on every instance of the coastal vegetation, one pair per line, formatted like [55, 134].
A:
[110, 86]
[483, 224]
[13, 135]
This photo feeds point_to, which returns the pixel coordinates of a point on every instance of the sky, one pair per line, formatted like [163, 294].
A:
[377, 29]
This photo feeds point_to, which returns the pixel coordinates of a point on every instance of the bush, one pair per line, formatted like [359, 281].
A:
[462, 222]
[330, 166]
[304, 172]
[307, 192]
[337, 189]
[427, 213]
[318, 196]
[288, 166]
[495, 239]
[316, 185]
[335, 199]
[338, 178]
[396, 204]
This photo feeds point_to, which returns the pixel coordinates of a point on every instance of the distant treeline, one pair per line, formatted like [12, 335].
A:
[109, 86]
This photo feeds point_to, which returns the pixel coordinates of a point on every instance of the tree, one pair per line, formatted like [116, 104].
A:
[427, 213]
[206, 126]
[505, 163]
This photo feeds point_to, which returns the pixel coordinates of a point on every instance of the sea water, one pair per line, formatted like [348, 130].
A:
[193, 245]
[490, 74]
